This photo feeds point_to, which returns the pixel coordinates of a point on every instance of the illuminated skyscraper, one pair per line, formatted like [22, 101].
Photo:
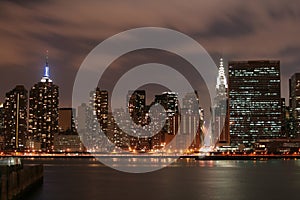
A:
[191, 120]
[2, 142]
[101, 107]
[43, 111]
[15, 118]
[169, 100]
[220, 109]
[254, 101]
[93, 120]
[295, 104]
[136, 105]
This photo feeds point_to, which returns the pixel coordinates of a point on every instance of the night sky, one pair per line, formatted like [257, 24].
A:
[233, 29]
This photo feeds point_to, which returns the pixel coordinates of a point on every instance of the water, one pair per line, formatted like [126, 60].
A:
[186, 179]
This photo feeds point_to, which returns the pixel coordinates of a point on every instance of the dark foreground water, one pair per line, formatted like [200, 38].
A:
[186, 179]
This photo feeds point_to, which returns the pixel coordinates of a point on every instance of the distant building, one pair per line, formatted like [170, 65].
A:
[82, 115]
[43, 111]
[191, 121]
[67, 143]
[295, 103]
[169, 100]
[101, 107]
[93, 121]
[66, 121]
[136, 105]
[2, 140]
[117, 135]
[15, 118]
[287, 128]
[254, 101]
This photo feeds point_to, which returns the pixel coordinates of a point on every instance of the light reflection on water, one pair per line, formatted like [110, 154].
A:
[134, 161]
[184, 179]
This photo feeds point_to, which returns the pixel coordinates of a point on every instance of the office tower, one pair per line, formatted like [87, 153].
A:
[254, 101]
[2, 141]
[120, 136]
[169, 101]
[92, 120]
[101, 107]
[66, 121]
[67, 140]
[285, 117]
[67, 143]
[136, 105]
[1, 118]
[295, 104]
[82, 116]
[43, 112]
[220, 128]
[191, 121]
[15, 118]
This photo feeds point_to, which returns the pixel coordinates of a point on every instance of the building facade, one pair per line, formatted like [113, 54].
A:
[2, 141]
[136, 101]
[43, 112]
[295, 104]
[220, 128]
[254, 101]
[66, 122]
[15, 119]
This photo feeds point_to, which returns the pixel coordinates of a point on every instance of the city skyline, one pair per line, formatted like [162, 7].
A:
[265, 30]
[46, 95]
[136, 99]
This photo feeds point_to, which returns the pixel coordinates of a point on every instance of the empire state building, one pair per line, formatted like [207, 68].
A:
[43, 112]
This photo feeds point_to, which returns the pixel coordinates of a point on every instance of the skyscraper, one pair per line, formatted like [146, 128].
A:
[2, 141]
[15, 118]
[43, 111]
[169, 100]
[254, 101]
[220, 127]
[136, 105]
[93, 120]
[295, 103]
[101, 107]
[191, 121]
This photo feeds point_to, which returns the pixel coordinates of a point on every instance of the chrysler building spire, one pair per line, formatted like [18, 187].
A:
[221, 80]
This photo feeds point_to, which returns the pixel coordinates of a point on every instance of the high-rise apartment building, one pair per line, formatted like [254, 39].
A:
[15, 118]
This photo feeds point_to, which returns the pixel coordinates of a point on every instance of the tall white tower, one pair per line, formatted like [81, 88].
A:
[221, 87]
[219, 126]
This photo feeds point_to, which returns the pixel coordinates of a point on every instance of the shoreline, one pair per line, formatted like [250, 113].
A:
[196, 156]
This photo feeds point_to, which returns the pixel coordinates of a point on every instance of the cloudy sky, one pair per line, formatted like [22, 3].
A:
[234, 29]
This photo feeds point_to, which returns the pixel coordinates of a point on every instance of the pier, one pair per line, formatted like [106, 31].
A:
[16, 179]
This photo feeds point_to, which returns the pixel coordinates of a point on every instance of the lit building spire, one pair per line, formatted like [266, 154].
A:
[221, 80]
[46, 70]
[46, 76]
